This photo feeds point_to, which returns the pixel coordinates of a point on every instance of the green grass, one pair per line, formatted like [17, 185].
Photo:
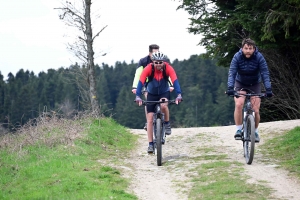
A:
[82, 170]
[216, 177]
[285, 150]
[224, 180]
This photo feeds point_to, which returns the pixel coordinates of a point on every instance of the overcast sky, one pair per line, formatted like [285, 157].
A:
[33, 38]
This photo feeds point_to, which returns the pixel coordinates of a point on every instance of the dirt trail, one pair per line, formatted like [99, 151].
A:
[170, 182]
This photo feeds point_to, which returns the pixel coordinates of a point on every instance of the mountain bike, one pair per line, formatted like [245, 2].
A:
[248, 130]
[158, 127]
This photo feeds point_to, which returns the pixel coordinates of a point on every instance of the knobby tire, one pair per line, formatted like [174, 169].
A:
[249, 135]
[159, 141]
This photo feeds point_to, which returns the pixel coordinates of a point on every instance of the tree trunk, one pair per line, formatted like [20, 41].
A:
[90, 56]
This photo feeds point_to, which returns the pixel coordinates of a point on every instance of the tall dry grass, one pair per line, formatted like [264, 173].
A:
[49, 129]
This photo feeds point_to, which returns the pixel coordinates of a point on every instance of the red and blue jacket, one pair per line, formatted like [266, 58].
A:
[158, 85]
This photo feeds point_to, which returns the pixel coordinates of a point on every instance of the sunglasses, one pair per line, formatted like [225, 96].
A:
[160, 62]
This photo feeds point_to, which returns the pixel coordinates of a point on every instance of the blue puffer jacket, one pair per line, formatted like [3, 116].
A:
[249, 71]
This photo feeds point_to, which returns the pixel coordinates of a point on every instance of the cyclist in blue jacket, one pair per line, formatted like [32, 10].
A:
[247, 70]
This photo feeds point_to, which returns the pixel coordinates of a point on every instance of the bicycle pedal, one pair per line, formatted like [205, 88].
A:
[238, 138]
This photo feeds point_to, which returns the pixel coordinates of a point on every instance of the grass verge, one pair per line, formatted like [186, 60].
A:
[214, 176]
[55, 164]
[225, 180]
[285, 150]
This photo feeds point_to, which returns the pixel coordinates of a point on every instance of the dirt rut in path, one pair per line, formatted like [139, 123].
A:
[171, 181]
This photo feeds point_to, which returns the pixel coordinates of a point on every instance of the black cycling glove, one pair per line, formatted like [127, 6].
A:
[269, 92]
[230, 91]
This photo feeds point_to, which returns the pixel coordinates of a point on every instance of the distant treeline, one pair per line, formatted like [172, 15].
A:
[26, 96]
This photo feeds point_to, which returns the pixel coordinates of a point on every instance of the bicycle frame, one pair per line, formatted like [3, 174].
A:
[158, 115]
[248, 130]
[247, 110]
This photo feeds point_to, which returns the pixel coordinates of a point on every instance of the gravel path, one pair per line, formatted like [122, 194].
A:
[172, 182]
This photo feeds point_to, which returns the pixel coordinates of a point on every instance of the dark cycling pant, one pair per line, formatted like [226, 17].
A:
[256, 88]
[151, 97]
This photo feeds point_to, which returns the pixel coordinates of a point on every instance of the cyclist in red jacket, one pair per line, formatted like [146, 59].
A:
[158, 88]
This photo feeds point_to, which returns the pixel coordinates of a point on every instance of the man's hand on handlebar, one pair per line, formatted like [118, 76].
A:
[138, 100]
[178, 99]
[230, 92]
[133, 90]
[268, 93]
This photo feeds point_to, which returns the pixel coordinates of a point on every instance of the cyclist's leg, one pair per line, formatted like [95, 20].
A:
[145, 95]
[255, 101]
[238, 111]
[238, 116]
[239, 103]
[150, 126]
[164, 106]
[165, 110]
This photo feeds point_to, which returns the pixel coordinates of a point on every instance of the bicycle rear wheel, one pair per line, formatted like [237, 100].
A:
[249, 139]
[158, 141]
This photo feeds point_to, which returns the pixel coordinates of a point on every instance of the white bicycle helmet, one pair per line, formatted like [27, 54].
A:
[158, 56]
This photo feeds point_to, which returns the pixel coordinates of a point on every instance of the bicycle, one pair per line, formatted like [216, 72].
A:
[158, 127]
[248, 129]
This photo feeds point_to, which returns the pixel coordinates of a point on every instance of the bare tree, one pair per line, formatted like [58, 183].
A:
[285, 75]
[80, 18]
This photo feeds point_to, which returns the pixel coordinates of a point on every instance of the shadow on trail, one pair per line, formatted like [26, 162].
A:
[174, 157]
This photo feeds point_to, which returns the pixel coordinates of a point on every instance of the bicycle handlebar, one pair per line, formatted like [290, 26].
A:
[237, 95]
[144, 102]
[261, 95]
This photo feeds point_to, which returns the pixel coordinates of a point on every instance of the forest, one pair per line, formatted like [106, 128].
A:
[27, 95]
[273, 25]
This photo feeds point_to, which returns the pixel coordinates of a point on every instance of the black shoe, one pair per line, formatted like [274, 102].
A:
[150, 149]
[145, 127]
[238, 135]
[168, 129]
[257, 139]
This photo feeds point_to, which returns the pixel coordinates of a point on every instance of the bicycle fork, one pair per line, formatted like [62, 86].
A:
[246, 112]
[162, 117]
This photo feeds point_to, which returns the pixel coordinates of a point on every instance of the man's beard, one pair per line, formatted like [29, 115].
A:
[248, 55]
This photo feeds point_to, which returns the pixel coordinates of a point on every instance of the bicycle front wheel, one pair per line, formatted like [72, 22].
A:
[249, 139]
[158, 141]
